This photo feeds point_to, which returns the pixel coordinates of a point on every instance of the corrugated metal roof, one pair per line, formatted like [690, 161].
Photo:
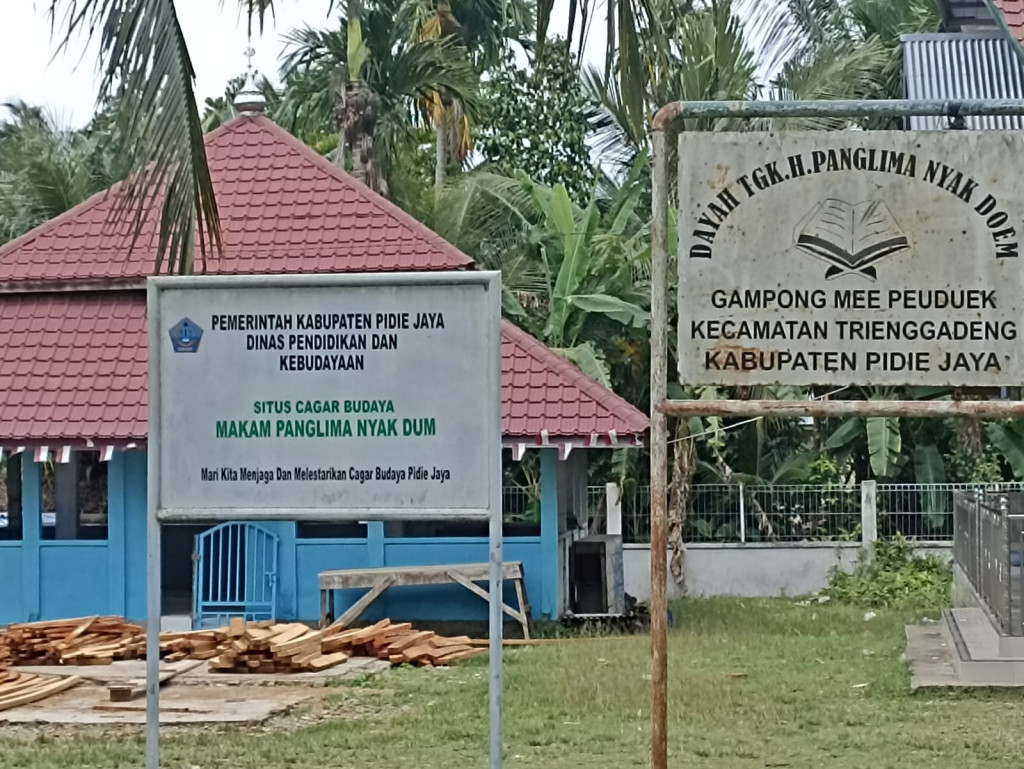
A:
[962, 66]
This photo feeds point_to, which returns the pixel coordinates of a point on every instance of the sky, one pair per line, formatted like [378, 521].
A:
[33, 71]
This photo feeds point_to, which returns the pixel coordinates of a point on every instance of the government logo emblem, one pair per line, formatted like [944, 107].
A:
[185, 336]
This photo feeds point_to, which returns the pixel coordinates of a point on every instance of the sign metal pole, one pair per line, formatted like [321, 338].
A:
[154, 583]
[496, 688]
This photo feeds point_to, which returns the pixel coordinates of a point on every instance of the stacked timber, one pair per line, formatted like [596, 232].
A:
[81, 641]
[99, 641]
[190, 645]
[241, 647]
[273, 648]
[17, 689]
[399, 644]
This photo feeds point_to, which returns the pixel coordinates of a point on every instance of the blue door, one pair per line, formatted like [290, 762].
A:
[235, 574]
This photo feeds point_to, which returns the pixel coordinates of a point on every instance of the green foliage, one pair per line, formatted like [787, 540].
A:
[967, 467]
[893, 577]
[693, 52]
[826, 471]
[840, 50]
[146, 71]
[378, 106]
[1008, 437]
[536, 121]
[884, 444]
[574, 277]
[46, 169]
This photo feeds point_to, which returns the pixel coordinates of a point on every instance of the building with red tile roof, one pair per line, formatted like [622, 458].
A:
[73, 373]
[75, 298]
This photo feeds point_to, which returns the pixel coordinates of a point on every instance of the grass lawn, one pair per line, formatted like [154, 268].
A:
[753, 684]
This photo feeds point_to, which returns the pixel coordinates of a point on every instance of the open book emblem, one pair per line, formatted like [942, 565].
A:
[851, 237]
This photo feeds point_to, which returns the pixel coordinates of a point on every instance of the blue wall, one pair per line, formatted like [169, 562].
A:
[65, 578]
[73, 579]
[12, 605]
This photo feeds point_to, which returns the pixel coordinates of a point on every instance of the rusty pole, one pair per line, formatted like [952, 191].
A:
[659, 440]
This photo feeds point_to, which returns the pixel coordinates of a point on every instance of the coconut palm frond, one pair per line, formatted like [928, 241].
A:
[614, 137]
[841, 72]
[421, 69]
[148, 72]
[482, 206]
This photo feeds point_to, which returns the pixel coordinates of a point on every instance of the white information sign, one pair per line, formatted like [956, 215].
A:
[323, 397]
[874, 258]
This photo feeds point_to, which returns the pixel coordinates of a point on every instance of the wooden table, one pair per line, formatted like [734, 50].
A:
[378, 580]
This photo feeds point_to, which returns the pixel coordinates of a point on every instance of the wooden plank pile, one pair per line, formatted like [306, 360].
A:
[267, 647]
[399, 644]
[242, 647]
[99, 641]
[17, 689]
[191, 645]
[80, 641]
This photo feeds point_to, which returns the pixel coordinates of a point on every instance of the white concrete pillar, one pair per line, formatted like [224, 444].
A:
[869, 512]
[613, 504]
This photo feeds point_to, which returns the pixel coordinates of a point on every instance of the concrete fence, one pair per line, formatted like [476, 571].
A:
[778, 541]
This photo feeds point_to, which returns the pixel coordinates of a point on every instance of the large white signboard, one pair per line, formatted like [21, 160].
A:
[312, 396]
[874, 258]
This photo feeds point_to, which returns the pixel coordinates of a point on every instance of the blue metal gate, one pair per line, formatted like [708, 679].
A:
[235, 574]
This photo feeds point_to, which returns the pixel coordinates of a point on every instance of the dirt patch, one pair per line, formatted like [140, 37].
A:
[298, 708]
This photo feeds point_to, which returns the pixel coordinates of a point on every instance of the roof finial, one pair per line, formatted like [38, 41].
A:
[250, 101]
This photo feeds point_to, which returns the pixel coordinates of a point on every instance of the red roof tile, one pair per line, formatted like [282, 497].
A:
[540, 390]
[1013, 12]
[283, 209]
[74, 370]
[73, 367]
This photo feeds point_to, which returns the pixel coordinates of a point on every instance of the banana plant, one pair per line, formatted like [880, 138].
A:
[1008, 437]
[587, 276]
[884, 439]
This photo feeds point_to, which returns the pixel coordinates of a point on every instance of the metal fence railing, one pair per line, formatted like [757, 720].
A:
[596, 504]
[740, 513]
[520, 504]
[988, 547]
[924, 511]
[736, 513]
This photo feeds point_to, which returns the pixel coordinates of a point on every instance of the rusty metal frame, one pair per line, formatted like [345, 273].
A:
[661, 407]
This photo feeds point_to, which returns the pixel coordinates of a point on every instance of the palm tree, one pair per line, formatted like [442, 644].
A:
[702, 55]
[632, 28]
[46, 169]
[148, 74]
[797, 32]
[368, 84]
[483, 29]
[831, 50]
[838, 51]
